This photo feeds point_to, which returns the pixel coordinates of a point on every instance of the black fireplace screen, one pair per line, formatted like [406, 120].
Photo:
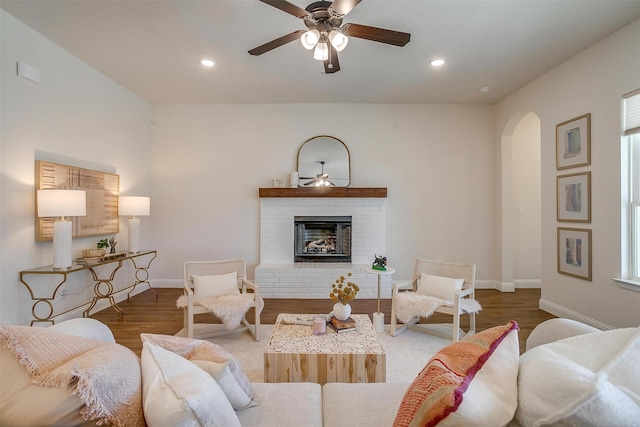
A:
[322, 238]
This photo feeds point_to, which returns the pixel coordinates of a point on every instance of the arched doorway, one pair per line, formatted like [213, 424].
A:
[521, 203]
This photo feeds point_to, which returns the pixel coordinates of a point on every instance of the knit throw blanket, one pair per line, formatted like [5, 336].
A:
[230, 309]
[413, 304]
[105, 376]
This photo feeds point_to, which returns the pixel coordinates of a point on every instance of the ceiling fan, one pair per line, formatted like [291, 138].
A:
[321, 180]
[326, 33]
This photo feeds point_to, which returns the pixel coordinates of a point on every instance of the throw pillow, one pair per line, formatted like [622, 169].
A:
[204, 351]
[175, 392]
[587, 380]
[215, 286]
[438, 286]
[223, 376]
[472, 382]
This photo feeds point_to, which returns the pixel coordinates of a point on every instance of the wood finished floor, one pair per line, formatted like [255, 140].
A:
[144, 314]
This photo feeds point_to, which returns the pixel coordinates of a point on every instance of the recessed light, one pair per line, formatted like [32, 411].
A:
[207, 62]
[437, 62]
[484, 89]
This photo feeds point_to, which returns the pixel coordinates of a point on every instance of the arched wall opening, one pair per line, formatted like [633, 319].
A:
[521, 203]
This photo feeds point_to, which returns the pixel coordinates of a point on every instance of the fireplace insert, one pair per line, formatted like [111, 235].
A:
[322, 239]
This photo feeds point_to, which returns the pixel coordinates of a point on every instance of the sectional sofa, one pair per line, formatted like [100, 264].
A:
[570, 374]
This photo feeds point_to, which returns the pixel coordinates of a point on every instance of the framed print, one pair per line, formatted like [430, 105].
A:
[573, 143]
[573, 196]
[279, 182]
[574, 252]
[102, 190]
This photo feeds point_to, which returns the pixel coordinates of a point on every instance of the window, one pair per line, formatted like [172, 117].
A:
[631, 187]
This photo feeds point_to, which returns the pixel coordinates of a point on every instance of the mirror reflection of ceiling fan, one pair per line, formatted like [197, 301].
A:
[326, 34]
[320, 180]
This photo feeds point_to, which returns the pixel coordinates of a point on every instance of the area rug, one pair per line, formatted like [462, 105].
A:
[407, 353]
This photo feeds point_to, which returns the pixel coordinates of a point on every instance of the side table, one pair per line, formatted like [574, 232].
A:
[378, 317]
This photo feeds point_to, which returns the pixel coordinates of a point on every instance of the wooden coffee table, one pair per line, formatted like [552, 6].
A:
[295, 354]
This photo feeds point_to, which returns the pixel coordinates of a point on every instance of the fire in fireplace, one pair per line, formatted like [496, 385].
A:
[322, 238]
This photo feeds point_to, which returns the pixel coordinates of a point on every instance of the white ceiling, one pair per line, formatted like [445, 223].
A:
[153, 47]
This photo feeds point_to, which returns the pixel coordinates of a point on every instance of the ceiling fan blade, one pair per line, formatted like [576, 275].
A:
[332, 65]
[285, 6]
[342, 7]
[375, 34]
[276, 43]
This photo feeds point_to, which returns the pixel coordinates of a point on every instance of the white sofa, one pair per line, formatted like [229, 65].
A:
[340, 404]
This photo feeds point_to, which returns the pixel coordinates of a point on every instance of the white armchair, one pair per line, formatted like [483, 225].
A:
[220, 288]
[446, 287]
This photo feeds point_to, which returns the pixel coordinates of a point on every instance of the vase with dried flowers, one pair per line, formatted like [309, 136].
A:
[343, 291]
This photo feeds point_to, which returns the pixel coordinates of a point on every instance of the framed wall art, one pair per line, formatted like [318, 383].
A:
[573, 197]
[573, 142]
[102, 191]
[574, 252]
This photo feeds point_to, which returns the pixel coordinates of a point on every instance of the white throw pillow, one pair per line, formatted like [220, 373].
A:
[438, 286]
[587, 380]
[176, 392]
[215, 286]
[227, 382]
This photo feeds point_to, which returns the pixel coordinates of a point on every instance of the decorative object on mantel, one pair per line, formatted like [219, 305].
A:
[323, 155]
[341, 293]
[380, 263]
[61, 204]
[279, 183]
[294, 179]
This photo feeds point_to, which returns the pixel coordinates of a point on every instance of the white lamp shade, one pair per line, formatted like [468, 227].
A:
[321, 53]
[338, 40]
[310, 38]
[57, 203]
[134, 205]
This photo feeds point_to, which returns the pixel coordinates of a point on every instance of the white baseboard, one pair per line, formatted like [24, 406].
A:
[100, 305]
[560, 311]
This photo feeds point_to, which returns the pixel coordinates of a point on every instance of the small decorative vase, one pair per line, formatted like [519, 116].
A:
[341, 311]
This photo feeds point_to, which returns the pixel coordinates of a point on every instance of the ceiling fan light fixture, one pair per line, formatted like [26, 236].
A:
[338, 40]
[310, 39]
[321, 53]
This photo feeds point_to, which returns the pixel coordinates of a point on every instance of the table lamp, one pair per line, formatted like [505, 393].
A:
[61, 203]
[134, 205]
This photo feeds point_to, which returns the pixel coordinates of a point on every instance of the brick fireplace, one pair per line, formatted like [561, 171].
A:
[279, 276]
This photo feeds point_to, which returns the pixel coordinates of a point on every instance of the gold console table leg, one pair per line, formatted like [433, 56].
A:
[142, 275]
[108, 294]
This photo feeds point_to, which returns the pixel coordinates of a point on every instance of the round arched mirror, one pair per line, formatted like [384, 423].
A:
[324, 161]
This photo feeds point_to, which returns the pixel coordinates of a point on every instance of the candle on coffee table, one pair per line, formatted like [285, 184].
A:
[319, 324]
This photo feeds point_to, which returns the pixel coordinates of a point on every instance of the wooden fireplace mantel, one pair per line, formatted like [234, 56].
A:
[323, 192]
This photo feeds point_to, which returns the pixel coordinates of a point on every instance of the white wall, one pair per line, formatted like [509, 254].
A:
[591, 82]
[436, 161]
[525, 172]
[74, 116]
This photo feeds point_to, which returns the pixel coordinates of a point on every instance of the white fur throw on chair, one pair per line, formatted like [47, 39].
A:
[228, 308]
[413, 304]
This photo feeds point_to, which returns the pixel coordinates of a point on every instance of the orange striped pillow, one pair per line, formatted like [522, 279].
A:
[440, 387]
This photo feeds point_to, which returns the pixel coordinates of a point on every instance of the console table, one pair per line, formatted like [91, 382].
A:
[102, 288]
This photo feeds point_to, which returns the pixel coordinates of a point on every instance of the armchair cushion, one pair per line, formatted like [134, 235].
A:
[215, 285]
[472, 382]
[438, 286]
[178, 393]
